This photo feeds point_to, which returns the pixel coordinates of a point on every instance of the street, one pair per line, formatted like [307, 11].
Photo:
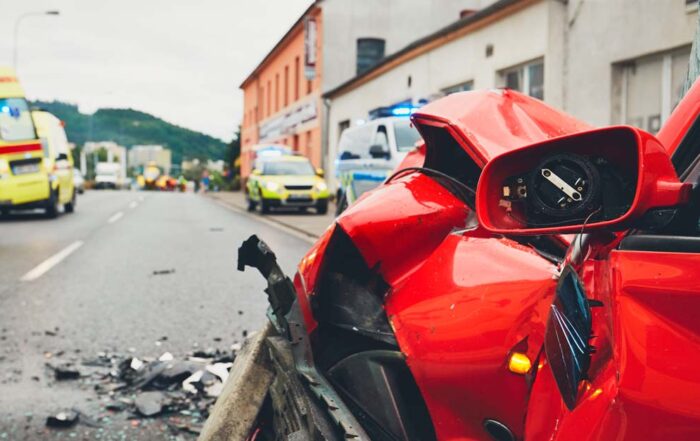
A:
[140, 273]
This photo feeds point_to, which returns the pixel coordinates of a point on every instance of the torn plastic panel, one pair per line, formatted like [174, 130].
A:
[288, 319]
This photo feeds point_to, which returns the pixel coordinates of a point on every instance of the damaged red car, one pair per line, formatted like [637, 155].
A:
[521, 276]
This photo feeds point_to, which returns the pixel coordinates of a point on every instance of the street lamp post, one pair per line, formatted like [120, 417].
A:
[17, 23]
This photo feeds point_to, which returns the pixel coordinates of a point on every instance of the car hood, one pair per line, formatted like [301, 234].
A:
[487, 123]
[291, 179]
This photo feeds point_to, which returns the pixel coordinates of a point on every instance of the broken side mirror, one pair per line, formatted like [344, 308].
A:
[603, 178]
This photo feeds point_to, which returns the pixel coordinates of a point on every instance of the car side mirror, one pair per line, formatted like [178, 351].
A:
[320, 173]
[603, 178]
[62, 157]
[378, 151]
[256, 172]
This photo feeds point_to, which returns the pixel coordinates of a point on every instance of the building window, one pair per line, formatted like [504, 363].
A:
[461, 87]
[297, 78]
[277, 92]
[369, 52]
[286, 86]
[269, 98]
[527, 78]
[647, 89]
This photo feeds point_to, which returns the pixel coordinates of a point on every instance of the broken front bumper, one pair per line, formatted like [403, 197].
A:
[304, 404]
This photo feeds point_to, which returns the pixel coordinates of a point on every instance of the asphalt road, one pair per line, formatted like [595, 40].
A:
[101, 294]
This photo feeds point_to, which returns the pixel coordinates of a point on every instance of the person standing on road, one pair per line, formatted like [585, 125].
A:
[205, 181]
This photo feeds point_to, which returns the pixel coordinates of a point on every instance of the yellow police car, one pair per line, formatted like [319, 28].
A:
[286, 181]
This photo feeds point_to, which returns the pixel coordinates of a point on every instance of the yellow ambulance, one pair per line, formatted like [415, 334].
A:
[58, 161]
[25, 181]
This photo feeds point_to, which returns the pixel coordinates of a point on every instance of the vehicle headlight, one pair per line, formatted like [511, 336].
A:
[4, 166]
[321, 186]
[272, 186]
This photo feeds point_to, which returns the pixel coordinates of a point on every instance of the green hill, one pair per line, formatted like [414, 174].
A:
[130, 127]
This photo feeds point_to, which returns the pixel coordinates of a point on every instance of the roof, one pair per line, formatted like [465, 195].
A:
[422, 45]
[279, 44]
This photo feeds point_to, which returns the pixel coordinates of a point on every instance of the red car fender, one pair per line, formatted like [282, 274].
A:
[396, 226]
[457, 319]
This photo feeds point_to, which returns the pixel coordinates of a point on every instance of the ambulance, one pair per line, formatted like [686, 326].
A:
[24, 181]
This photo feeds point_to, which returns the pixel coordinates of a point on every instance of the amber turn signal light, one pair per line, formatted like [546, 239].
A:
[519, 363]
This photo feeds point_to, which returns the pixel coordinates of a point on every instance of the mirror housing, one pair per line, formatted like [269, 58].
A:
[62, 157]
[603, 178]
[320, 173]
[377, 151]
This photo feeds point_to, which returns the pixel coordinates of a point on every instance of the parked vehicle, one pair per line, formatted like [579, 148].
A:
[108, 175]
[149, 179]
[58, 161]
[78, 181]
[368, 153]
[24, 181]
[286, 182]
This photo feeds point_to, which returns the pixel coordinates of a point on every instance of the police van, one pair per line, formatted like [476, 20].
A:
[367, 154]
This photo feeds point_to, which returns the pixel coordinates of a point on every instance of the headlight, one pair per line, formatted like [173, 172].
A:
[4, 166]
[272, 186]
[321, 186]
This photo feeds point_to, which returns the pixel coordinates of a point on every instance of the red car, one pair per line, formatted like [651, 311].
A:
[411, 320]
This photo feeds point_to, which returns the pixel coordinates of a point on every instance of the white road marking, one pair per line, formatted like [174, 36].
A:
[115, 217]
[52, 261]
[133, 204]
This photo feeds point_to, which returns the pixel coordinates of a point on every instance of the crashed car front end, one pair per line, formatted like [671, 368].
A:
[402, 318]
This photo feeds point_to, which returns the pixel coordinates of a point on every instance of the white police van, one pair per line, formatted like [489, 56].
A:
[367, 155]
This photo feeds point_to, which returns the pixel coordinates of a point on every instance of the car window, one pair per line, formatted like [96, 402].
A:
[276, 168]
[354, 143]
[406, 135]
[381, 138]
[15, 120]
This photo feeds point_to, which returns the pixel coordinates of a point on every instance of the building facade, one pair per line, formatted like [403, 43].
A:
[331, 42]
[606, 62]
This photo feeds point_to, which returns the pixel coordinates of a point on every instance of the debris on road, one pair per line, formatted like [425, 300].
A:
[64, 371]
[62, 419]
[150, 403]
[178, 391]
[163, 272]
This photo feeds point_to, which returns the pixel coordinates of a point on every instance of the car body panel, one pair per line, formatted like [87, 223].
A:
[491, 122]
[460, 299]
[458, 318]
[642, 382]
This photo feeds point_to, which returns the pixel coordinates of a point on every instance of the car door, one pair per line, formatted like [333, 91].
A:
[656, 279]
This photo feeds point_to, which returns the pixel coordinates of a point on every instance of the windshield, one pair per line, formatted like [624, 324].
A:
[288, 168]
[406, 135]
[15, 120]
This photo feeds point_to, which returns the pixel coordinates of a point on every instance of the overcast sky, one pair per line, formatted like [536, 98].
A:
[181, 60]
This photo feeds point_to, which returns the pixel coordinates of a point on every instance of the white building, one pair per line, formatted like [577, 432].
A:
[604, 61]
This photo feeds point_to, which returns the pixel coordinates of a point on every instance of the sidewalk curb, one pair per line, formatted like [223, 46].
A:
[244, 210]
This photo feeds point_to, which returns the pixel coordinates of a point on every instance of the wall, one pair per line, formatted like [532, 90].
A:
[604, 32]
[399, 22]
[516, 38]
[268, 98]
